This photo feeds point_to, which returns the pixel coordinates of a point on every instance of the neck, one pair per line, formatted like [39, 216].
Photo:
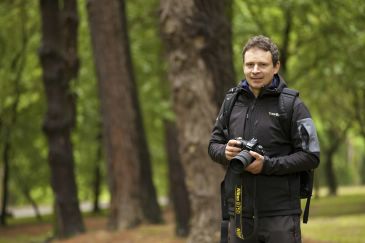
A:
[255, 92]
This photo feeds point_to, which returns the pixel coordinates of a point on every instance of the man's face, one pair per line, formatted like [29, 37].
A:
[259, 69]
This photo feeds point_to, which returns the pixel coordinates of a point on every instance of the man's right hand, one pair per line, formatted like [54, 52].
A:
[232, 149]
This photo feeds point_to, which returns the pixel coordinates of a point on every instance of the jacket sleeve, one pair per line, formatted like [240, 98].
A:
[306, 152]
[218, 141]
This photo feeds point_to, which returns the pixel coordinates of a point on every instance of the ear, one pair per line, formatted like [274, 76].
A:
[277, 67]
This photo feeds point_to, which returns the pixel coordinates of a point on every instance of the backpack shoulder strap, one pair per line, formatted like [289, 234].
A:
[286, 107]
[228, 103]
[286, 103]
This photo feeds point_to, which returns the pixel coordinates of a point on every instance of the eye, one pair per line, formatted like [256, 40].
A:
[263, 64]
[250, 65]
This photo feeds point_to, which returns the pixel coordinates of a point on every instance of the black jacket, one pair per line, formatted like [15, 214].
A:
[289, 150]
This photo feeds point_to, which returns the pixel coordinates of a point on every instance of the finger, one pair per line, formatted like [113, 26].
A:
[252, 168]
[255, 167]
[255, 155]
[233, 142]
[233, 149]
[231, 154]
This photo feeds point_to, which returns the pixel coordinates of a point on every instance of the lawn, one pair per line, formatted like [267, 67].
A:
[338, 219]
[345, 228]
[332, 219]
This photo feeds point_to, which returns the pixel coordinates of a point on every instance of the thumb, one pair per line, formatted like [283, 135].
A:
[255, 155]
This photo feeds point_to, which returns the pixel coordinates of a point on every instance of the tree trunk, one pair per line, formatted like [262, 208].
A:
[5, 182]
[330, 174]
[1, 184]
[177, 186]
[334, 137]
[97, 176]
[150, 207]
[28, 196]
[59, 61]
[123, 133]
[362, 171]
[284, 50]
[200, 71]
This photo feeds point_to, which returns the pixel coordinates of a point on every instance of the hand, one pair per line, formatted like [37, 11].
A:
[232, 149]
[256, 166]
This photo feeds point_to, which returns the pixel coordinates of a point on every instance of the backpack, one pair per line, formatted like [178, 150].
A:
[286, 105]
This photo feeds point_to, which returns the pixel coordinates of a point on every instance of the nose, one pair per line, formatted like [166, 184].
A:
[255, 69]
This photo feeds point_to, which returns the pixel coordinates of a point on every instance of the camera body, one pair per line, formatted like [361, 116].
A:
[244, 158]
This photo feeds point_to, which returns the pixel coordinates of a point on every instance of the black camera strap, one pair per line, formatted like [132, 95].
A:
[225, 216]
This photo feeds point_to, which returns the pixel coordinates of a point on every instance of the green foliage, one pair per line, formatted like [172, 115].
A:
[19, 64]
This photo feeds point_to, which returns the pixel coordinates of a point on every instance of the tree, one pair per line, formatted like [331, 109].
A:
[156, 106]
[200, 71]
[58, 55]
[177, 186]
[18, 62]
[123, 132]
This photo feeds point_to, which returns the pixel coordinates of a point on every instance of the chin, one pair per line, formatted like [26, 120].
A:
[257, 85]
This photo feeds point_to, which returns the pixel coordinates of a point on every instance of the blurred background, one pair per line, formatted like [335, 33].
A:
[90, 92]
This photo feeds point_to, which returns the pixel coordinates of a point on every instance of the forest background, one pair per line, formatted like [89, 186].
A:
[322, 48]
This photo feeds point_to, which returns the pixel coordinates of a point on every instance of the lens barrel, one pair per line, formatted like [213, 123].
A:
[241, 161]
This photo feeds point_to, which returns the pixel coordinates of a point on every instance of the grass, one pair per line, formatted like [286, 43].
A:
[30, 230]
[337, 219]
[336, 229]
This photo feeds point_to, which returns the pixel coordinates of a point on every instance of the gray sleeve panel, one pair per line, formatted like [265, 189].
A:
[308, 135]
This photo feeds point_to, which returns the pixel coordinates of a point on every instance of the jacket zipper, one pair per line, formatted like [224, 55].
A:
[249, 121]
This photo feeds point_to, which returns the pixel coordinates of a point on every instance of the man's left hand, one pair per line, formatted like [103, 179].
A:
[256, 166]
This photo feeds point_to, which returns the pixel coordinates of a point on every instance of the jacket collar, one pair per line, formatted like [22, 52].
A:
[275, 87]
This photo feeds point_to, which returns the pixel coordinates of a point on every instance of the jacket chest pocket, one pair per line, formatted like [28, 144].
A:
[237, 121]
[271, 132]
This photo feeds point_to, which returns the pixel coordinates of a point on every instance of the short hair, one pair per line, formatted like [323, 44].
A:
[264, 43]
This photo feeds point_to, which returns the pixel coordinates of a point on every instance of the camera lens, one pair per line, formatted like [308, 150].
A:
[240, 161]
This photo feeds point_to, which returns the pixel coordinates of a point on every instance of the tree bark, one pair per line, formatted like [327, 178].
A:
[150, 207]
[177, 187]
[58, 56]
[200, 70]
[124, 138]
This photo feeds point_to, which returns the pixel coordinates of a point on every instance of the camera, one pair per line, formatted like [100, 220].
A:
[244, 158]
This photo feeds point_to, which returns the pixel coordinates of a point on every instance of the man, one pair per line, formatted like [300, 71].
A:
[271, 182]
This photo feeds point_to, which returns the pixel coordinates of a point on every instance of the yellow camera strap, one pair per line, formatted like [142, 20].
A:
[238, 212]
[238, 208]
